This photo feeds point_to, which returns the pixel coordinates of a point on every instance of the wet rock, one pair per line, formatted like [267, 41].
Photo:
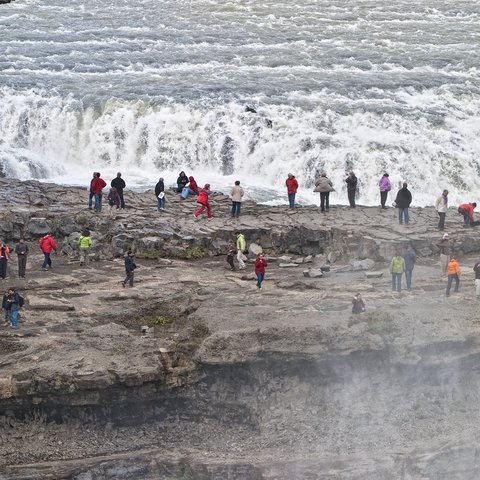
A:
[374, 274]
[366, 264]
[313, 273]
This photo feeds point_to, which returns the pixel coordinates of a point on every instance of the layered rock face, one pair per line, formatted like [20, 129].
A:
[226, 381]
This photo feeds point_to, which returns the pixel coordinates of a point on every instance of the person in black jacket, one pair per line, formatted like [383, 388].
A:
[351, 181]
[476, 269]
[119, 183]
[129, 269]
[402, 202]
[160, 194]
[91, 194]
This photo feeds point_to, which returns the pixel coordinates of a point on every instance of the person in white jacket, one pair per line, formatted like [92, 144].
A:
[441, 206]
[236, 195]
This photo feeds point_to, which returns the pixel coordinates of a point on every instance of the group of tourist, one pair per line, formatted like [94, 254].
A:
[115, 195]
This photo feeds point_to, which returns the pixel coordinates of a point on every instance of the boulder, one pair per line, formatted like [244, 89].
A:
[287, 265]
[358, 265]
[255, 249]
[313, 273]
[38, 226]
[372, 274]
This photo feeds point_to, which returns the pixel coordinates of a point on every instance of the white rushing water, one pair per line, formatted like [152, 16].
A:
[151, 88]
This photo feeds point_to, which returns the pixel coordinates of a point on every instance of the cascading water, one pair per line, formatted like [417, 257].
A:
[150, 89]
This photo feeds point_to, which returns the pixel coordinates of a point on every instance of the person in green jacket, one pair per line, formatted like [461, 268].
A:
[85, 243]
[397, 267]
[241, 247]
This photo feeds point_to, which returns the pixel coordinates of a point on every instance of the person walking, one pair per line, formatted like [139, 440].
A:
[91, 194]
[203, 200]
[21, 250]
[182, 180]
[13, 298]
[160, 194]
[410, 259]
[191, 188]
[445, 245]
[260, 266]
[47, 244]
[241, 245]
[476, 269]
[292, 187]
[402, 202]
[351, 181]
[358, 305]
[385, 187]
[453, 271]
[397, 267]
[129, 269]
[85, 243]
[441, 206]
[119, 184]
[236, 194]
[230, 254]
[466, 209]
[98, 184]
[114, 200]
[324, 185]
[4, 257]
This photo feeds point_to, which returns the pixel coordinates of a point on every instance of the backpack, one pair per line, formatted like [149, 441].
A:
[21, 301]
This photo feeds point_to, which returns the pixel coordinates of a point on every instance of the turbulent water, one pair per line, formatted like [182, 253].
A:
[153, 87]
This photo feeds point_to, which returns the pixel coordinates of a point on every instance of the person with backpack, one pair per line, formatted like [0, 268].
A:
[4, 257]
[385, 186]
[324, 185]
[241, 247]
[129, 268]
[22, 252]
[97, 185]
[84, 243]
[351, 182]
[397, 267]
[47, 244]
[160, 194]
[202, 199]
[15, 301]
[260, 266]
[119, 184]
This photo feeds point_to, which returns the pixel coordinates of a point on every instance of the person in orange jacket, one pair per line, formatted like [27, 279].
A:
[47, 244]
[202, 199]
[453, 272]
[292, 187]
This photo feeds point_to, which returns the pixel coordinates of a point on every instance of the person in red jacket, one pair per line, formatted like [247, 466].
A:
[47, 244]
[202, 199]
[98, 184]
[260, 266]
[292, 187]
[4, 257]
[466, 209]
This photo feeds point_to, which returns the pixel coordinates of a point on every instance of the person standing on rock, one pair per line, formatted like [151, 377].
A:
[260, 266]
[119, 184]
[445, 245]
[160, 194]
[21, 250]
[324, 185]
[236, 194]
[441, 206]
[410, 259]
[114, 200]
[98, 184]
[358, 305]
[4, 257]
[85, 243]
[6, 308]
[47, 244]
[397, 268]
[466, 209]
[203, 200]
[402, 202]
[91, 195]
[230, 254]
[453, 271]
[129, 269]
[476, 269]
[385, 187]
[13, 299]
[241, 247]
[292, 187]
[351, 181]
[182, 180]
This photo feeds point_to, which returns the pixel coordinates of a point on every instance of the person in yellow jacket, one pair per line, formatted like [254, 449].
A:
[453, 272]
[397, 268]
[85, 243]
[241, 247]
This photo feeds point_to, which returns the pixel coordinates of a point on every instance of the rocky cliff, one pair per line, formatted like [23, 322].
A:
[225, 381]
